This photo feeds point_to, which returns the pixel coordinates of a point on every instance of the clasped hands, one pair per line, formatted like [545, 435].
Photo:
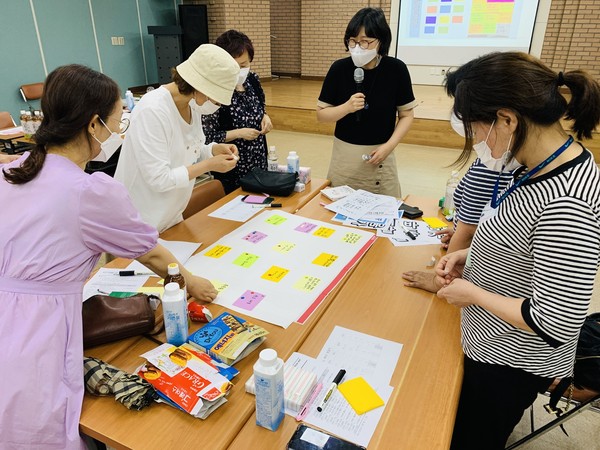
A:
[455, 290]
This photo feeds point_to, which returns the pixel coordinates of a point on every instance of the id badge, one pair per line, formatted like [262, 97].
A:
[487, 213]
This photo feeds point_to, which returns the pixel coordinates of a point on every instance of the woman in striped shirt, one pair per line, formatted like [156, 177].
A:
[525, 283]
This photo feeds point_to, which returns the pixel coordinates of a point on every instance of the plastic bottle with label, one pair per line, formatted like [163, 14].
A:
[28, 125]
[293, 163]
[174, 276]
[175, 314]
[129, 101]
[272, 159]
[37, 121]
[22, 116]
[268, 383]
[451, 184]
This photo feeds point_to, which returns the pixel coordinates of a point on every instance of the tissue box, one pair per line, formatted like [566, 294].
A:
[297, 385]
[303, 175]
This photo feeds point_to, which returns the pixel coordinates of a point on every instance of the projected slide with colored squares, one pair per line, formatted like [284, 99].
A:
[459, 19]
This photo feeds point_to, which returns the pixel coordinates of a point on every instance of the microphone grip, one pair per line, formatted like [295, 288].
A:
[358, 114]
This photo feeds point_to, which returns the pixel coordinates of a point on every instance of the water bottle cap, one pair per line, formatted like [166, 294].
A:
[173, 269]
[292, 153]
[272, 148]
[172, 288]
[268, 357]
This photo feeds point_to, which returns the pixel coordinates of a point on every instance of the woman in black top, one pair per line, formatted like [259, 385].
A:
[373, 121]
[244, 122]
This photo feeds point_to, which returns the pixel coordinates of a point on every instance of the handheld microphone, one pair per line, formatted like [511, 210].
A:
[359, 76]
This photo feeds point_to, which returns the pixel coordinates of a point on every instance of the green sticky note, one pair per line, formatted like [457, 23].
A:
[245, 260]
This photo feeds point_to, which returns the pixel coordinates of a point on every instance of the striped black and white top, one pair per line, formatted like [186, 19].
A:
[474, 191]
[543, 245]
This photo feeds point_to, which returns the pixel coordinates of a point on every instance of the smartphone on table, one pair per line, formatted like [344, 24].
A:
[309, 438]
[257, 199]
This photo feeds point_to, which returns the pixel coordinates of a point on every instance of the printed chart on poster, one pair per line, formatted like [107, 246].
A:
[278, 267]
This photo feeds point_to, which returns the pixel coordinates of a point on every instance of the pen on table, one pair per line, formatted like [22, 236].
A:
[311, 399]
[133, 273]
[268, 205]
[410, 233]
[332, 387]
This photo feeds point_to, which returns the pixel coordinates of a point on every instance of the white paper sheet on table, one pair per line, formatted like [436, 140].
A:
[235, 210]
[181, 250]
[278, 267]
[108, 280]
[364, 355]
[359, 354]
[357, 204]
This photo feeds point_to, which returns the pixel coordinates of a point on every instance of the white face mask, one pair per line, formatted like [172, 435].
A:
[484, 153]
[243, 75]
[457, 125]
[109, 146]
[206, 109]
[361, 57]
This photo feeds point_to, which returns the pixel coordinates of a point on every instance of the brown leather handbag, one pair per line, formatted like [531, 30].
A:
[107, 319]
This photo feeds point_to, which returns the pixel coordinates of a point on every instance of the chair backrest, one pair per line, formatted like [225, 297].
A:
[31, 91]
[203, 195]
[6, 120]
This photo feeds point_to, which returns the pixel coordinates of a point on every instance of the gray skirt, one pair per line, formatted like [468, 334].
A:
[348, 167]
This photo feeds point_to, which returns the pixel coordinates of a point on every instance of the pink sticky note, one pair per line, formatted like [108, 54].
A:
[305, 227]
[254, 237]
[249, 300]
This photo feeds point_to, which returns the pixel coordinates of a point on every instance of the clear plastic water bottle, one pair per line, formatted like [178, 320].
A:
[451, 184]
[269, 389]
[129, 101]
[272, 159]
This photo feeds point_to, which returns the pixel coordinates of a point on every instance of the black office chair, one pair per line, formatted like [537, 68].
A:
[582, 400]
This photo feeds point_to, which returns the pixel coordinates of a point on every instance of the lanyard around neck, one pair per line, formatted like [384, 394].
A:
[496, 201]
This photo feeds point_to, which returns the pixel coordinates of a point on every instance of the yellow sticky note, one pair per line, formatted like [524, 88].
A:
[275, 274]
[151, 290]
[325, 259]
[307, 283]
[361, 396]
[434, 222]
[217, 251]
[324, 232]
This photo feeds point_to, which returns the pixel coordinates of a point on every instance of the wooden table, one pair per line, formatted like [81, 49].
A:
[420, 413]
[372, 299]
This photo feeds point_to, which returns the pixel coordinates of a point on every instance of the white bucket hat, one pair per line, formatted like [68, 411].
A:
[211, 71]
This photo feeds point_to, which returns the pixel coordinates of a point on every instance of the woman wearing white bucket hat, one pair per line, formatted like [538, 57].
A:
[165, 149]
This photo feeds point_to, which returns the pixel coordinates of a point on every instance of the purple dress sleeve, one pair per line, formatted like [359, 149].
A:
[109, 222]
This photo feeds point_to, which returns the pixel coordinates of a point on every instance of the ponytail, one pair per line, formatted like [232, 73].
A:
[29, 169]
[584, 107]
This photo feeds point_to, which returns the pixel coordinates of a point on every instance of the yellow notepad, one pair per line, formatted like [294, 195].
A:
[361, 396]
[434, 222]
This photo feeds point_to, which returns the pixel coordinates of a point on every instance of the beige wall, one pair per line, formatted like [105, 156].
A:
[252, 17]
[324, 24]
[286, 40]
[572, 38]
[310, 32]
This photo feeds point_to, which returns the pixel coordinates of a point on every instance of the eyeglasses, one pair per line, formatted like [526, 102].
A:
[364, 44]
[123, 124]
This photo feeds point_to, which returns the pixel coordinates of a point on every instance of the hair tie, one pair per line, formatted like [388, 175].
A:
[561, 79]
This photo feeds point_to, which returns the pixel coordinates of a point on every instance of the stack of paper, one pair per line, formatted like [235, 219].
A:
[380, 212]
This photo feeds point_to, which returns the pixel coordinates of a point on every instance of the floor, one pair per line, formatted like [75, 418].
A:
[423, 171]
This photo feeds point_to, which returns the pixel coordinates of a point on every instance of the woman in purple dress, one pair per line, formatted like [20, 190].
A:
[56, 221]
